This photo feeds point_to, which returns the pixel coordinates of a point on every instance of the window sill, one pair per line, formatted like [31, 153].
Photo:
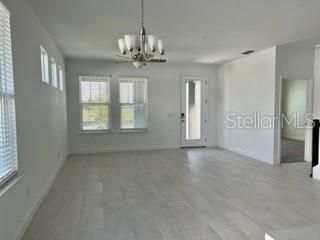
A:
[10, 184]
[145, 130]
[121, 131]
[95, 132]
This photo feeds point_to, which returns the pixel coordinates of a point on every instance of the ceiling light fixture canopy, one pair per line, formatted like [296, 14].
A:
[141, 49]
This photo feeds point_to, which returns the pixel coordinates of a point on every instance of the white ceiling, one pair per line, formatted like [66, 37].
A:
[207, 31]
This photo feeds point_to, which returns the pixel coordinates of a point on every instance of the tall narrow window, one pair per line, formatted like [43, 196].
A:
[61, 79]
[54, 74]
[8, 142]
[193, 109]
[44, 65]
[95, 103]
[133, 103]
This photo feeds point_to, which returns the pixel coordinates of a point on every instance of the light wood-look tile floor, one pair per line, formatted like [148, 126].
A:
[195, 194]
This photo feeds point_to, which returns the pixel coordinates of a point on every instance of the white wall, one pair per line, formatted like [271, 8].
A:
[246, 86]
[294, 101]
[316, 106]
[235, 84]
[41, 121]
[294, 62]
[164, 106]
[316, 99]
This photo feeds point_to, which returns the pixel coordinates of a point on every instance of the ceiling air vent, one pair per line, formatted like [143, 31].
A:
[248, 52]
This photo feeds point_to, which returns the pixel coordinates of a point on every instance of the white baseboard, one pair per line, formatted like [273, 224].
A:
[245, 153]
[239, 151]
[128, 149]
[123, 149]
[293, 137]
[37, 204]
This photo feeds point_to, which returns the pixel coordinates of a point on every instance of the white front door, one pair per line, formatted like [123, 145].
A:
[193, 114]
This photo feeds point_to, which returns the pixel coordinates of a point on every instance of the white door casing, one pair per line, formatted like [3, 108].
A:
[193, 112]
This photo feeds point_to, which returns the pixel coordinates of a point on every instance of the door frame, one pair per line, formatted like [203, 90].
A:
[204, 109]
[310, 93]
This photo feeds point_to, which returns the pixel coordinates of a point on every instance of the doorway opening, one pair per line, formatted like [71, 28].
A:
[295, 135]
[193, 111]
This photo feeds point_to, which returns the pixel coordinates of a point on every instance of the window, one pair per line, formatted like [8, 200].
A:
[8, 142]
[61, 82]
[44, 65]
[95, 103]
[54, 73]
[133, 103]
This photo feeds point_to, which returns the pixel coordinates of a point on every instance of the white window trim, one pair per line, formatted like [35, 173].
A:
[45, 73]
[9, 184]
[7, 179]
[103, 131]
[61, 78]
[54, 73]
[135, 130]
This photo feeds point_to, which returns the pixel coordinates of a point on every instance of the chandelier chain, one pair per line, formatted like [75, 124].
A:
[142, 13]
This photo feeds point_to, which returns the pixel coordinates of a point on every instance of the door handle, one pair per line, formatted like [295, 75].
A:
[182, 117]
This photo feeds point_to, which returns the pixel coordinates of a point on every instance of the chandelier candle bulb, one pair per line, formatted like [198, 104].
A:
[130, 41]
[152, 41]
[122, 46]
[160, 46]
[146, 47]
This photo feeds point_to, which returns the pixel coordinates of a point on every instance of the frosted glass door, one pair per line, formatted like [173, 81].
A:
[193, 114]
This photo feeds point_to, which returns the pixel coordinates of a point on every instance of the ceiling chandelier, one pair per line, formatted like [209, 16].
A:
[141, 49]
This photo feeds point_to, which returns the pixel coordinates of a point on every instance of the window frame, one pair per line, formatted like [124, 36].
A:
[135, 130]
[61, 78]
[45, 72]
[6, 97]
[100, 131]
[54, 73]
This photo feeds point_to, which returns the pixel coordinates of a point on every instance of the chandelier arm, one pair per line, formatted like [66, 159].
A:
[149, 56]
